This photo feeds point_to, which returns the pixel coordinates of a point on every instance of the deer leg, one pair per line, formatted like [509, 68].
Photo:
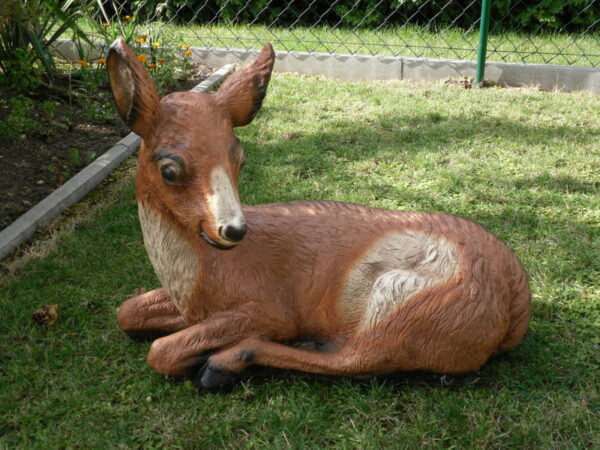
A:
[150, 315]
[181, 354]
[223, 367]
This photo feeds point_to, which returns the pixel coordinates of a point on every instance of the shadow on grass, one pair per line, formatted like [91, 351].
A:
[512, 208]
[562, 183]
[430, 132]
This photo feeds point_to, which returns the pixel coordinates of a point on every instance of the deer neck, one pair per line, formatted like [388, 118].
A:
[175, 260]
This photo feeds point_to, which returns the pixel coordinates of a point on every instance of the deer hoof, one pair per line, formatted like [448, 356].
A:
[211, 378]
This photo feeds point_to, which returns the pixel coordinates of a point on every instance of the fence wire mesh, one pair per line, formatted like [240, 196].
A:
[542, 31]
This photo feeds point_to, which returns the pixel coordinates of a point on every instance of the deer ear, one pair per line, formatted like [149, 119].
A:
[243, 92]
[133, 89]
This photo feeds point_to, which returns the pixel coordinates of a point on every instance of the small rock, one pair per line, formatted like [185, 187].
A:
[26, 202]
[40, 182]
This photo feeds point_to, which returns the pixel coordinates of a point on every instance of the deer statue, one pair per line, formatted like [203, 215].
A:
[374, 291]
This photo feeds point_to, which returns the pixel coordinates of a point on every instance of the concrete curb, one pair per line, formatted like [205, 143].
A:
[365, 67]
[82, 183]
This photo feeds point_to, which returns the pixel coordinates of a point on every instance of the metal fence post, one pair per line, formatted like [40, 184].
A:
[483, 37]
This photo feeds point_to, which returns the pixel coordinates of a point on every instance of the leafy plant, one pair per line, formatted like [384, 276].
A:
[28, 30]
[75, 158]
[49, 109]
[14, 117]
[111, 26]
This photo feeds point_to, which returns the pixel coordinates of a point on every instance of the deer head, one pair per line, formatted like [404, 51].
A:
[190, 161]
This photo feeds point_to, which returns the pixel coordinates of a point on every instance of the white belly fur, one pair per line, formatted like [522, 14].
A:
[173, 258]
[395, 269]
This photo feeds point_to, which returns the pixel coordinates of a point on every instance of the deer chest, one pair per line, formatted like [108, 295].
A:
[172, 257]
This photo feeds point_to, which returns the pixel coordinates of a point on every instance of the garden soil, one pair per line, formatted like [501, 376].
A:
[35, 164]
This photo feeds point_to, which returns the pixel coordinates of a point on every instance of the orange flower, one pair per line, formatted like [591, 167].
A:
[128, 18]
[156, 44]
[152, 66]
[187, 52]
[142, 58]
[106, 25]
[162, 60]
[101, 61]
[82, 63]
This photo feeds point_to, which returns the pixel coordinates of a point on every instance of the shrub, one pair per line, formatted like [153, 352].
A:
[524, 15]
[28, 29]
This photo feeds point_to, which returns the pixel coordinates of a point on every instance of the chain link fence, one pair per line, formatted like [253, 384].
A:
[542, 31]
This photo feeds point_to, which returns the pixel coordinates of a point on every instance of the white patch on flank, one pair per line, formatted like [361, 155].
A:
[395, 269]
[223, 203]
[173, 258]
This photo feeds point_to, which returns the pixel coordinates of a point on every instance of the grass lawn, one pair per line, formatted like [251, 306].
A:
[525, 164]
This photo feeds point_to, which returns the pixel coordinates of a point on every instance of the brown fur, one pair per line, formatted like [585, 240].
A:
[287, 278]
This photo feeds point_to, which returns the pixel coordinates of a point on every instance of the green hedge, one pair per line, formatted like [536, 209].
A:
[573, 15]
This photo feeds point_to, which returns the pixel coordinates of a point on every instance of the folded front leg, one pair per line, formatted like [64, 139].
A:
[225, 366]
[180, 354]
[150, 315]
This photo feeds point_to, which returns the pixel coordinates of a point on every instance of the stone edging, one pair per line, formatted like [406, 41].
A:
[363, 67]
[83, 182]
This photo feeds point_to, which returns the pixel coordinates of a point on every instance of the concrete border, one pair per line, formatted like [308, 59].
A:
[83, 182]
[361, 67]
[364, 67]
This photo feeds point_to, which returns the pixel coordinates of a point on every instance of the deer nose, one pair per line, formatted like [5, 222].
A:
[233, 233]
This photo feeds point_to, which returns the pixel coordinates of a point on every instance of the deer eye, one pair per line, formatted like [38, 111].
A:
[171, 170]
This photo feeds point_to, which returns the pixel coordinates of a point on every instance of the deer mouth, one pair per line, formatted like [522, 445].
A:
[215, 244]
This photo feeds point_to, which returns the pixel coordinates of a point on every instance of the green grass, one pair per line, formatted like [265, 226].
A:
[523, 163]
[407, 41]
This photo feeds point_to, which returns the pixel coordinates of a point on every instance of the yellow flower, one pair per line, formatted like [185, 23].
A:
[156, 44]
[142, 58]
[139, 41]
[101, 61]
[106, 25]
[151, 66]
[82, 63]
[162, 60]
[187, 52]
[128, 18]
[185, 47]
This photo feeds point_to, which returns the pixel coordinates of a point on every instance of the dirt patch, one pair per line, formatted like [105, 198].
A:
[45, 140]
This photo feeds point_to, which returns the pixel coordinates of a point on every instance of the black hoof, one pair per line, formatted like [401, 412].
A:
[197, 366]
[211, 378]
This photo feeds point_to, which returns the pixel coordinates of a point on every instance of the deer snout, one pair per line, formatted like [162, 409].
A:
[228, 236]
[233, 233]
[224, 206]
